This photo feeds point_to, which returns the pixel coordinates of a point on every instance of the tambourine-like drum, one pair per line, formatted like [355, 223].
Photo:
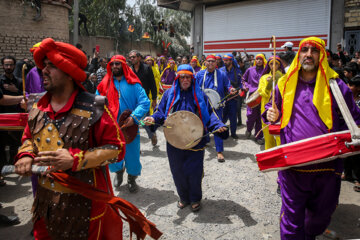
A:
[274, 129]
[184, 127]
[253, 100]
[129, 133]
[13, 121]
[214, 98]
[309, 151]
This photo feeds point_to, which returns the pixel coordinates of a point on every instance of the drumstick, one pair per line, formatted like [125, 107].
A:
[273, 40]
[24, 67]
[229, 95]
[142, 122]
[203, 136]
[10, 169]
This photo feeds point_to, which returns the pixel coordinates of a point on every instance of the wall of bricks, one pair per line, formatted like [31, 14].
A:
[109, 46]
[19, 32]
[352, 13]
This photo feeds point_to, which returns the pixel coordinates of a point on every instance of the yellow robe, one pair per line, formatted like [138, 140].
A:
[156, 73]
[270, 140]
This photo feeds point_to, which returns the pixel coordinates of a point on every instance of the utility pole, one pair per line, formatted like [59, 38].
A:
[76, 22]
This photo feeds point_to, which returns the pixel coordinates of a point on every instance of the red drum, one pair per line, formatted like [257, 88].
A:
[129, 133]
[253, 100]
[13, 121]
[309, 151]
[274, 129]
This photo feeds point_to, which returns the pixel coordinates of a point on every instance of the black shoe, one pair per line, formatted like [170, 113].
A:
[234, 136]
[9, 220]
[154, 140]
[278, 190]
[132, 186]
[260, 141]
[247, 134]
[118, 179]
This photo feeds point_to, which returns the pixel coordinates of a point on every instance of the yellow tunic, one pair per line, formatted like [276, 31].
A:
[270, 141]
[156, 73]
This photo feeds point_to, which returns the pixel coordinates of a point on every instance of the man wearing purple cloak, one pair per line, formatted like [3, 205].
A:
[310, 193]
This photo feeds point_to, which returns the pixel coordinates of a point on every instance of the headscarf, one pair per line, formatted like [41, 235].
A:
[260, 55]
[107, 87]
[168, 66]
[321, 98]
[64, 56]
[160, 65]
[34, 47]
[154, 64]
[231, 57]
[211, 56]
[195, 59]
[174, 94]
[267, 68]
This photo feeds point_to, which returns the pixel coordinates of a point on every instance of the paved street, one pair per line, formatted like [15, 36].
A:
[239, 202]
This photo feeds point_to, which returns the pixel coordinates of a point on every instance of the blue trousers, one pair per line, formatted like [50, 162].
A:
[219, 143]
[230, 112]
[131, 159]
[187, 170]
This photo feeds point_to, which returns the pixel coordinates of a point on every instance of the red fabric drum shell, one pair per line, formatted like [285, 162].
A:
[13, 121]
[274, 129]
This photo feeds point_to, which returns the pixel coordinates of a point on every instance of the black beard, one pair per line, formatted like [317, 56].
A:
[118, 73]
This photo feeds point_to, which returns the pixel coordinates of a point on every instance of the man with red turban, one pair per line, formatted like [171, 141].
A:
[124, 91]
[75, 134]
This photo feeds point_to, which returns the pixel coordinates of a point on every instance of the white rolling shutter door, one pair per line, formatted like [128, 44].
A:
[250, 24]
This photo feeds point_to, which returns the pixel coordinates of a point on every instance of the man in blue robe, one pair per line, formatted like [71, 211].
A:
[187, 166]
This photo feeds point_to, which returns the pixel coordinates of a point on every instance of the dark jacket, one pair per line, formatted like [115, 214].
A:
[18, 83]
[146, 77]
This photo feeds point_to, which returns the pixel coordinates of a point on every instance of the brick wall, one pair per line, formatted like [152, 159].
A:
[18, 32]
[352, 13]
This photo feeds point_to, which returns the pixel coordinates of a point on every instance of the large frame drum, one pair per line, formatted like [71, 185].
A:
[183, 127]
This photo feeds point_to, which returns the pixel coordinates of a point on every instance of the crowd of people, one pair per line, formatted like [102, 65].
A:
[80, 108]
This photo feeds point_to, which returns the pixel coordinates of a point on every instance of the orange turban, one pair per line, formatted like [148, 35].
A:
[64, 56]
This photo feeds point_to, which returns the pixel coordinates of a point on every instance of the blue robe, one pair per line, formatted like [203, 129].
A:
[133, 97]
[222, 88]
[230, 109]
[187, 165]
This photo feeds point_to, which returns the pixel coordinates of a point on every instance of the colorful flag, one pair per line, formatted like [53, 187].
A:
[146, 35]
[131, 28]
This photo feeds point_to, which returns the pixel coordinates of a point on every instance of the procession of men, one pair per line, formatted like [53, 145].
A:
[80, 137]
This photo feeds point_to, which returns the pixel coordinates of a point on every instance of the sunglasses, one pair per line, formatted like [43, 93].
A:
[131, 57]
[115, 63]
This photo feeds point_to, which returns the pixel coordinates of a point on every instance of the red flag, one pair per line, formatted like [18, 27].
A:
[146, 35]
[131, 28]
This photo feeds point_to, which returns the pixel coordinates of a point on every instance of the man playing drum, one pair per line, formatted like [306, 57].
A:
[215, 79]
[187, 165]
[124, 91]
[310, 193]
[250, 82]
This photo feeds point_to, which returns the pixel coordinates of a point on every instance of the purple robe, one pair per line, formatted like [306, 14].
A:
[197, 69]
[168, 76]
[34, 81]
[310, 194]
[251, 81]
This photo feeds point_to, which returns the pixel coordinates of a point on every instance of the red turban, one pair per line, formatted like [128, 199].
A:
[211, 56]
[107, 87]
[64, 56]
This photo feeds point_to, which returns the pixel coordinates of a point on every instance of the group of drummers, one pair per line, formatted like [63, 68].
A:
[77, 134]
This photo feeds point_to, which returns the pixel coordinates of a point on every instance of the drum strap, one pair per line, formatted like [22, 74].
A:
[349, 120]
[215, 80]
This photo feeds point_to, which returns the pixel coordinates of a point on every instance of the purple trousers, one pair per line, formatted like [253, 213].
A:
[254, 118]
[308, 201]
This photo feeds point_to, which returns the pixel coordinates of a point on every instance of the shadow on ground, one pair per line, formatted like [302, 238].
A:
[346, 221]
[150, 199]
[218, 211]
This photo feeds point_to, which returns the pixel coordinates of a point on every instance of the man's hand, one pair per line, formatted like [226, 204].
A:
[11, 87]
[60, 159]
[233, 91]
[149, 121]
[23, 103]
[23, 166]
[153, 104]
[128, 122]
[222, 129]
[272, 114]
